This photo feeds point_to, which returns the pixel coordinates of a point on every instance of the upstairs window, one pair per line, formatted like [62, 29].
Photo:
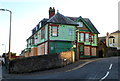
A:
[42, 33]
[80, 24]
[87, 37]
[70, 32]
[81, 36]
[54, 31]
[92, 39]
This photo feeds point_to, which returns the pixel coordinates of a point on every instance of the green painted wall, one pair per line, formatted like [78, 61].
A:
[63, 33]
[88, 43]
[95, 40]
[57, 47]
[46, 34]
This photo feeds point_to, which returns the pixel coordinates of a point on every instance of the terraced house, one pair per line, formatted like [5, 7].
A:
[60, 33]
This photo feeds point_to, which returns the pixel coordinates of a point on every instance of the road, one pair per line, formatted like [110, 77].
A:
[101, 70]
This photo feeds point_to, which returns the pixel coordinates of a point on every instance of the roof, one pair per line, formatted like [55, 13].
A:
[111, 37]
[118, 31]
[102, 39]
[73, 18]
[88, 22]
[61, 19]
[91, 25]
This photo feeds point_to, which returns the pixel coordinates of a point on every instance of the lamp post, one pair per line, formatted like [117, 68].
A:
[9, 31]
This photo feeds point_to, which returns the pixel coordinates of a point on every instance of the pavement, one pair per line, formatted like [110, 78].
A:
[70, 67]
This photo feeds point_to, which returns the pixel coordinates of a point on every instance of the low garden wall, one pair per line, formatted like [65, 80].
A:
[111, 52]
[38, 63]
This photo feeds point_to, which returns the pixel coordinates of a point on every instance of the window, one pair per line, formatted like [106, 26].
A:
[42, 33]
[113, 40]
[87, 37]
[80, 24]
[70, 32]
[92, 38]
[32, 40]
[81, 36]
[54, 31]
[39, 24]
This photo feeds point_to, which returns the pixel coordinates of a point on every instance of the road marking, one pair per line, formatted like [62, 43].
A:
[105, 76]
[106, 73]
[110, 66]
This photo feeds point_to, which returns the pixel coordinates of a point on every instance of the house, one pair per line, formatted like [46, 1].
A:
[87, 37]
[109, 44]
[113, 39]
[60, 33]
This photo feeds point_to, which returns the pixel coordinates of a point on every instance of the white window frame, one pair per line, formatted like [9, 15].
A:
[80, 24]
[81, 36]
[53, 31]
[87, 37]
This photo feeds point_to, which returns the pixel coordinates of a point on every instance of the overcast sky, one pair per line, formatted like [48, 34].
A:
[27, 13]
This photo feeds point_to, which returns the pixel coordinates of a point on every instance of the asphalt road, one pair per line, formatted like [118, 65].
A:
[105, 69]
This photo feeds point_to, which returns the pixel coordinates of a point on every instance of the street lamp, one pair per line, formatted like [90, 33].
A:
[9, 31]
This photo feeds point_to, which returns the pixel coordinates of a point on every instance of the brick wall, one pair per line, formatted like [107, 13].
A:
[69, 56]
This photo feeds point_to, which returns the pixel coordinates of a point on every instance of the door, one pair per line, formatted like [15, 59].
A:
[81, 50]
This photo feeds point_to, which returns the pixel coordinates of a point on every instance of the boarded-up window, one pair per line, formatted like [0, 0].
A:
[93, 51]
[54, 31]
[87, 50]
[42, 49]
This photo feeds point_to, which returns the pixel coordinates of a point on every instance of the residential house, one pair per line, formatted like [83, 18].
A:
[113, 39]
[60, 33]
[109, 44]
[87, 37]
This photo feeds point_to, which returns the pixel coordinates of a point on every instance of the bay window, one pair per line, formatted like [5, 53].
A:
[87, 37]
[81, 36]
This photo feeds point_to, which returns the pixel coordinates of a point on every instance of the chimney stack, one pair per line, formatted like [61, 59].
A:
[51, 12]
[107, 34]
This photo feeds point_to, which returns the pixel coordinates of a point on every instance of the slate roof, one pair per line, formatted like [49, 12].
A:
[88, 22]
[61, 19]
[91, 25]
[111, 37]
[73, 18]
[118, 31]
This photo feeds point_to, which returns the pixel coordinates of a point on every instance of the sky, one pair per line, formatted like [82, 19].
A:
[26, 14]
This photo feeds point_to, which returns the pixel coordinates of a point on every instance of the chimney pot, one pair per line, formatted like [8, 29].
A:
[51, 12]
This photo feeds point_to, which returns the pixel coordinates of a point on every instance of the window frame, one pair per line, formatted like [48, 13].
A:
[42, 33]
[53, 32]
[87, 37]
[113, 41]
[70, 31]
[82, 37]
[80, 24]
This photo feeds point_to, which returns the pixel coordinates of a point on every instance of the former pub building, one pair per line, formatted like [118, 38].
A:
[60, 33]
